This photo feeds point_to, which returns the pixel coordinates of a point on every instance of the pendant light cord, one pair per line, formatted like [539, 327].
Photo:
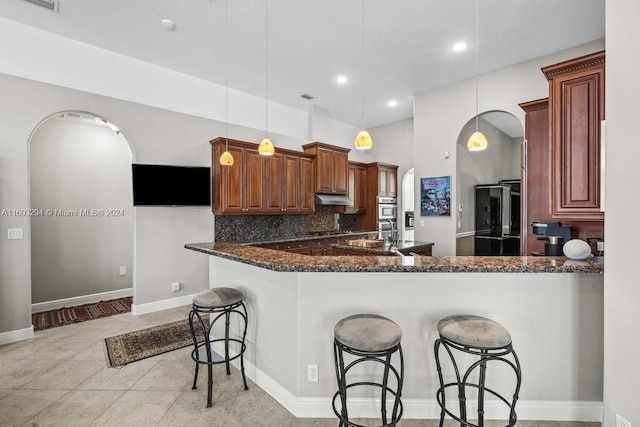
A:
[226, 73]
[477, 77]
[362, 65]
[266, 68]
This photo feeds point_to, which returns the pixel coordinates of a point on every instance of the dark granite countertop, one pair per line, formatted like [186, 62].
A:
[291, 262]
[405, 246]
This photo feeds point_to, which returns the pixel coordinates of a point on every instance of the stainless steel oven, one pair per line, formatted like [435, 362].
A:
[387, 208]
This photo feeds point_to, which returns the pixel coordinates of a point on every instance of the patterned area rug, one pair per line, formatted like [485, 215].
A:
[80, 313]
[138, 345]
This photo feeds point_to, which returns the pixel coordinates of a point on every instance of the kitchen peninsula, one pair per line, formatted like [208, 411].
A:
[552, 306]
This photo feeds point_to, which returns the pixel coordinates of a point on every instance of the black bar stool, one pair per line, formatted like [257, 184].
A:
[219, 302]
[486, 339]
[373, 338]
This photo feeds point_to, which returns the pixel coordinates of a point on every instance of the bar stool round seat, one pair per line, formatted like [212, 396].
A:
[370, 338]
[490, 342]
[219, 302]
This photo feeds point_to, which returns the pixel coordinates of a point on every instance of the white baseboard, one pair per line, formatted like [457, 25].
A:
[85, 299]
[421, 409]
[15, 336]
[150, 307]
[428, 409]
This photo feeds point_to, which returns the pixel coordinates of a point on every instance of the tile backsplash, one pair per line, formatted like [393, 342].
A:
[248, 228]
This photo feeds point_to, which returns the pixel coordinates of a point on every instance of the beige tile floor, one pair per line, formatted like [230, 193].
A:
[60, 378]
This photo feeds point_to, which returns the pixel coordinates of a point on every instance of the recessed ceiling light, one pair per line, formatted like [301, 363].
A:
[168, 24]
[342, 80]
[392, 103]
[459, 46]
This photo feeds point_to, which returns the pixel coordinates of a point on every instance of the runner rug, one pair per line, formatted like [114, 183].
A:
[138, 345]
[80, 313]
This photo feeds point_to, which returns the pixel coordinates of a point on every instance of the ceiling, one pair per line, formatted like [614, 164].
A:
[303, 45]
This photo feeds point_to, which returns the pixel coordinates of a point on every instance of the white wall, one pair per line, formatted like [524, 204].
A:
[76, 166]
[622, 287]
[439, 115]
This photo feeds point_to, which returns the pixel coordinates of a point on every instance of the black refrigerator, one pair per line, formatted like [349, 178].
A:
[497, 218]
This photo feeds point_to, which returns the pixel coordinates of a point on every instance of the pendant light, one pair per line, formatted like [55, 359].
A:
[226, 159]
[266, 147]
[363, 140]
[477, 141]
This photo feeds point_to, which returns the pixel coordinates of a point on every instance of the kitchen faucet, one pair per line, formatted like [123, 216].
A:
[394, 232]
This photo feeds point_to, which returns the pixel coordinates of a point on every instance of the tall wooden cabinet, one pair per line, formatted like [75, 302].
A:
[537, 176]
[382, 181]
[357, 189]
[330, 167]
[255, 184]
[576, 100]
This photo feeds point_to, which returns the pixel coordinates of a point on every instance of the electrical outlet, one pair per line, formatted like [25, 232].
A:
[600, 246]
[175, 287]
[421, 223]
[312, 373]
[621, 422]
[122, 271]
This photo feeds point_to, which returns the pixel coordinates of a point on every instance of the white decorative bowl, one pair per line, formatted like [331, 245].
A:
[576, 249]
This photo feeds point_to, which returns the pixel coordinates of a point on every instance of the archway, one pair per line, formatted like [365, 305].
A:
[82, 227]
[499, 163]
[408, 205]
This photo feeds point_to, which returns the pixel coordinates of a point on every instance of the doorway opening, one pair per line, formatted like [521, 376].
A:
[82, 227]
[499, 165]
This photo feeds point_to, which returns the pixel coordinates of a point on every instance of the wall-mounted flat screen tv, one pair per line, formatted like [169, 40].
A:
[162, 185]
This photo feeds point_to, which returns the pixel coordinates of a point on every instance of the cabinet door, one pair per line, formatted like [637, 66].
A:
[351, 190]
[306, 201]
[273, 183]
[340, 166]
[382, 181]
[290, 184]
[232, 187]
[253, 188]
[324, 160]
[578, 103]
[360, 197]
[392, 182]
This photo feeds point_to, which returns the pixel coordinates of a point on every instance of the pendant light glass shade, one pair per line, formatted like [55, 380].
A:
[477, 142]
[226, 159]
[363, 140]
[266, 147]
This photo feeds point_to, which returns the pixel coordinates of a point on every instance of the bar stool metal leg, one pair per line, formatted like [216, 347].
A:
[490, 342]
[350, 336]
[219, 302]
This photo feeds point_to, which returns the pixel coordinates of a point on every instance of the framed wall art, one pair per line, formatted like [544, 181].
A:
[435, 196]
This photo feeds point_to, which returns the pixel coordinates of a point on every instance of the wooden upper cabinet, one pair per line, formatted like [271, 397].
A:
[356, 189]
[330, 167]
[387, 180]
[238, 188]
[257, 184]
[576, 100]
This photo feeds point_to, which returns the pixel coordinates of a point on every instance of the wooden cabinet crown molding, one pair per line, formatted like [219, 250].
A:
[592, 60]
[538, 104]
[244, 144]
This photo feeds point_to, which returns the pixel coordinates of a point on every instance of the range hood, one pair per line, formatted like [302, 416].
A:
[332, 199]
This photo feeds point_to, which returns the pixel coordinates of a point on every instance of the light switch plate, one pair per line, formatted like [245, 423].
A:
[14, 233]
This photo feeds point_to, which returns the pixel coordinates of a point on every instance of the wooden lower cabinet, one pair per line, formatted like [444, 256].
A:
[295, 247]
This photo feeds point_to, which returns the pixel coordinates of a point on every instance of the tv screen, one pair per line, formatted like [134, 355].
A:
[161, 185]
